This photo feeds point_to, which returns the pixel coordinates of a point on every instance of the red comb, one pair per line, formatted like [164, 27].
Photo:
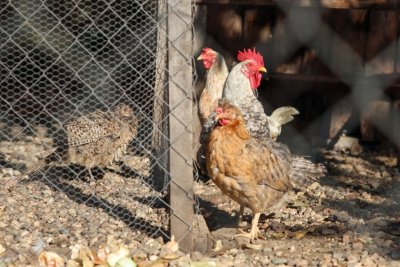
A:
[251, 54]
[207, 50]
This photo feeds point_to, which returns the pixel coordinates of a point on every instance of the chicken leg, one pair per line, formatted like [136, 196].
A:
[91, 177]
[240, 216]
[254, 231]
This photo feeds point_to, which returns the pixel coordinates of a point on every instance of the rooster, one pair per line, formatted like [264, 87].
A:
[240, 88]
[217, 72]
[256, 172]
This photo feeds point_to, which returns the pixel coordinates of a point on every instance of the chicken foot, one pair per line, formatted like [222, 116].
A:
[254, 232]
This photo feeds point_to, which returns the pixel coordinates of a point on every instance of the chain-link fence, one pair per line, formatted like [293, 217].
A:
[67, 68]
[76, 76]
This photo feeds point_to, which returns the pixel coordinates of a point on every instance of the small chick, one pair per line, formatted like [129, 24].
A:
[97, 139]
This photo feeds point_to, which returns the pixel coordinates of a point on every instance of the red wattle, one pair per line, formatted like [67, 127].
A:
[207, 64]
[255, 80]
[223, 121]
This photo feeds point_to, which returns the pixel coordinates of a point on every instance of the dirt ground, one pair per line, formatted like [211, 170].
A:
[349, 218]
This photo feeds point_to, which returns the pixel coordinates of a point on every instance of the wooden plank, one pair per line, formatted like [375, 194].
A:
[377, 111]
[160, 109]
[381, 42]
[180, 104]
[339, 4]
[340, 115]
[348, 42]
[200, 33]
[285, 55]
[395, 129]
[258, 24]
[224, 30]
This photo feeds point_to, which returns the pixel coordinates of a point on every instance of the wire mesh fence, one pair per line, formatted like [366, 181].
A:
[75, 75]
[78, 76]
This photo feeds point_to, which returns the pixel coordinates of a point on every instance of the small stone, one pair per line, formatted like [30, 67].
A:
[279, 253]
[381, 223]
[226, 260]
[388, 243]
[298, 263]
[328, 231]
[367, 262]
[338, 255]
[385, 174]
[265, 260]
[267, 250]
[395, 254]
[314, 186]
[253, 246]
[196, 256]
[278, 261]
[7, 171]
[153, 257]
[378, 175]
[139, 255]
[2, 249]
[346, 238]
[352, 257]
[233, 251]
[342, 216]
[376, 257]
[358, 246]
[240, 258]
[327, 257]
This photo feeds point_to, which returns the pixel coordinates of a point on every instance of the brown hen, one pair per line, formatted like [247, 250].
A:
[255, 172]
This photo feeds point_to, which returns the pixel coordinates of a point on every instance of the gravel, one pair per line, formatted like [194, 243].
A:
[351, 217]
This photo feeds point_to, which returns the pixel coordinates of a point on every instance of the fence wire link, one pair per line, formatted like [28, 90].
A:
[63, 60]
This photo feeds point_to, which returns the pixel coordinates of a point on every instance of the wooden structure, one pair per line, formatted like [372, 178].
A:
[345, 4]
[337, 61]
[180, 104]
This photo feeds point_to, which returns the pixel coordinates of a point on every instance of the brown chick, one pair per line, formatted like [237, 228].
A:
[97, 139]
[255, 172]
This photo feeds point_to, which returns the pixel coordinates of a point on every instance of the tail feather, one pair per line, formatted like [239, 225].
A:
[283, 115]
[32, 171]
[50, 160]
[279, 117]
[304, 172]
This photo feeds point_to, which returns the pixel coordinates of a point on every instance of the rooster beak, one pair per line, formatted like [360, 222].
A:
[200, 58]
[262, 69]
